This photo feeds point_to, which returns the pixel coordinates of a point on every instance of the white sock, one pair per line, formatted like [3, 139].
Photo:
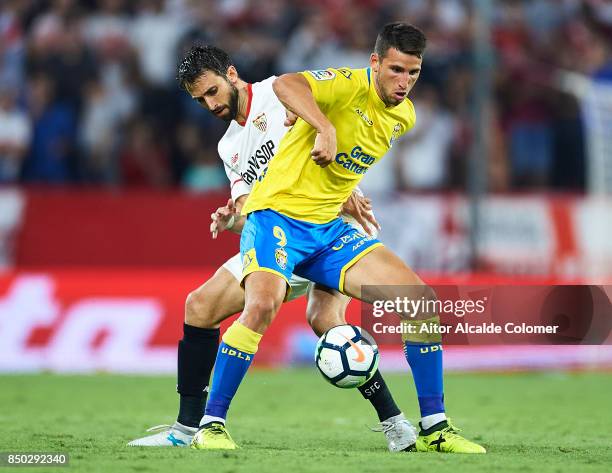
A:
[185, 428]
[207, 419]
[400, 416]
[429, 421]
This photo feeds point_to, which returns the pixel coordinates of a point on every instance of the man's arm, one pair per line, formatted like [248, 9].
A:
[228, 217]
[360, 208]
[294, 92]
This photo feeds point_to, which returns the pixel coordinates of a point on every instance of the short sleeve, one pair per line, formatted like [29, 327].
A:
[332, 86]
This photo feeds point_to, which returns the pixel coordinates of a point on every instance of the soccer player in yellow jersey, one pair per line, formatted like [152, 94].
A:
[348, 119]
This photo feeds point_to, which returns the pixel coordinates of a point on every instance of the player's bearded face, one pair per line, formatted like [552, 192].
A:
[229, 110]
[233, 103]
[227, 106]
[217, 94]
[395, 75]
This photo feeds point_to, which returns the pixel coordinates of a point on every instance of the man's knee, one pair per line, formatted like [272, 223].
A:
[313, 312]
[429, 295]
[322, 322]
[311, 318]
[259, 312]
[321, 318]
[427, 315]
[199, 309]
[424, 298]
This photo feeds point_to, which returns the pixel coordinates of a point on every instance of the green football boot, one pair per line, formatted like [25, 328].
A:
[443, 437]
[213, 437]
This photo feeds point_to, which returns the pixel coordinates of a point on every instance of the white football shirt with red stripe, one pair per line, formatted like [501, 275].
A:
[246, 148]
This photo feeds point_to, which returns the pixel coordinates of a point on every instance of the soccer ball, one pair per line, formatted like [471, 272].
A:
[346, 356]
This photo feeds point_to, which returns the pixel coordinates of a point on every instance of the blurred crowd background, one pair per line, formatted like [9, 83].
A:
[88, 94]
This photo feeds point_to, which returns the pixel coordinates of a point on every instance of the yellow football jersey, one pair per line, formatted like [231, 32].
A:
[365, 130]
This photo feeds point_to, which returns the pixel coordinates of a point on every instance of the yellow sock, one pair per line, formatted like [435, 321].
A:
[242, 338]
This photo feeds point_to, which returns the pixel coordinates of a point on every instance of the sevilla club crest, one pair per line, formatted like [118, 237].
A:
[260, 122]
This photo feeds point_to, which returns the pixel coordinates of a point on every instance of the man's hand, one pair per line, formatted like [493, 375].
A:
[223, 218]
[290, 118]
[360, 208]
[324, 150]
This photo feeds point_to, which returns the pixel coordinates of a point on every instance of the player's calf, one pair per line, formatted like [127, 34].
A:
[326, 309]
[208, 305]
[240, 343]
[388, 277]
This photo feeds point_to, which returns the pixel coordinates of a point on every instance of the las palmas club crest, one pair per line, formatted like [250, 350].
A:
[395, 134]
[260, 122]
[281, 257]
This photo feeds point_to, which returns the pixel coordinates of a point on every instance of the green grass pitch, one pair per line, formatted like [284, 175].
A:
[293, 421]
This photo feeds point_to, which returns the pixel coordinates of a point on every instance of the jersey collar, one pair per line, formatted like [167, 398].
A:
[248, 107]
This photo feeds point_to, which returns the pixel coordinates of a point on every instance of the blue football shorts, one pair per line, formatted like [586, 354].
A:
[281, 245]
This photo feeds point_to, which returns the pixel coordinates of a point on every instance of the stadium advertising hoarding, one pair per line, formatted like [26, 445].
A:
[129, 321]
[104, 316]
[563, 237]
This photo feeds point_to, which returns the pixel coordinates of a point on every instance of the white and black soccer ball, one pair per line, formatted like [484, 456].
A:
[346, 356]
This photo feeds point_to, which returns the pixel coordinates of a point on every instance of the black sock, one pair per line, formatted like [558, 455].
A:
[197, 352]
[377, 392]
[434, 428]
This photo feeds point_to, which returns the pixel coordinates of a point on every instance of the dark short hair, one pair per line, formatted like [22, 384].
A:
[404, 37]
[200, 59]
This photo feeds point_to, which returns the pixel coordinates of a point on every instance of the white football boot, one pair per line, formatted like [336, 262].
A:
[400, 433]
[175, 435]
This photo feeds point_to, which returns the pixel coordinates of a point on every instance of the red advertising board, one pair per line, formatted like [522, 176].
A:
[118, 320]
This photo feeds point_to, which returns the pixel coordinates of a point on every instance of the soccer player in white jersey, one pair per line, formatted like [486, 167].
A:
[256, 126]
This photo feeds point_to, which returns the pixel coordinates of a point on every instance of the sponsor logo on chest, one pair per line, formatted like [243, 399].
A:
[364, 116]
[258, 162]
[356, 161]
